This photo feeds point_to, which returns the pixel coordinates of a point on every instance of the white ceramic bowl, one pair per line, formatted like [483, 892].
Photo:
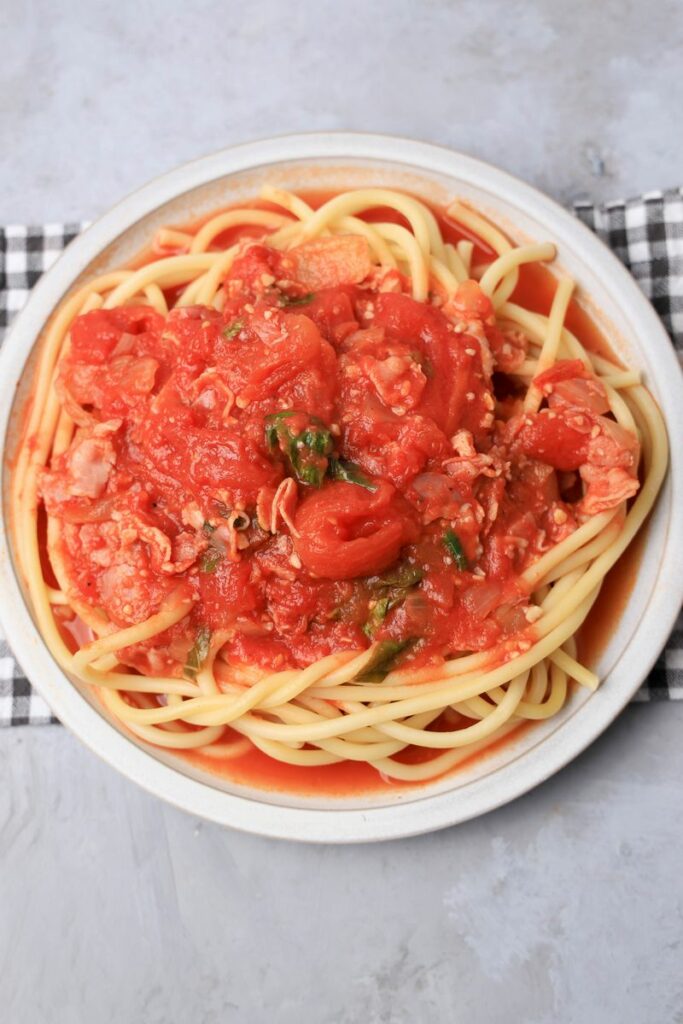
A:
[330, 161]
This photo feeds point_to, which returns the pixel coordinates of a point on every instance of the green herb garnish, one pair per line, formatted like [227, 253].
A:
[340, 469]
[198, 653]
[403, 576]
[454, 548]
[307, 451]
[297, 300]
[209, 560]
[394, 587]
[378, 614]
[208, 528]
[233, 329]
[315, 439]
[382, 660]
[312, 476]
[276, 428]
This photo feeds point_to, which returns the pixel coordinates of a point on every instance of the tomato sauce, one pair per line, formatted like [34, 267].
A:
[343, 780]
[349, 486]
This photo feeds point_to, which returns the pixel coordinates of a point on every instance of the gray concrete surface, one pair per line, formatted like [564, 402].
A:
[566, 906]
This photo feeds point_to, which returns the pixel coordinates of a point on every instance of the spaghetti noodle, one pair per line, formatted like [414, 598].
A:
[317, 484]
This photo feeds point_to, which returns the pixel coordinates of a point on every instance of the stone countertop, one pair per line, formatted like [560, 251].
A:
[565, 906]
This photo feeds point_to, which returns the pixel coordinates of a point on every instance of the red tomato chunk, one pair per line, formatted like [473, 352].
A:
[321, 464]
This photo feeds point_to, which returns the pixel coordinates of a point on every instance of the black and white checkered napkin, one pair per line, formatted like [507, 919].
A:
[645, 233]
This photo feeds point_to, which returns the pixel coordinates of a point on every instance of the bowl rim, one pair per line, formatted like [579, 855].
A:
[339, 824]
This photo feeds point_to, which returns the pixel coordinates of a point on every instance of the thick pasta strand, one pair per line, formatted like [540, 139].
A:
[328, 712]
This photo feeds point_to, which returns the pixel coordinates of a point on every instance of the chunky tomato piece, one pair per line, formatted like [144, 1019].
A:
[568, 383]
[563, 369]
[508, 348]
[455, 389]
[328, 262]
[95, 335]
[347, 531]
[471, 303]
[290, 361]
[228, 592]
[273, 359]
[550, 438]
[113, 387]
[223, 462]
[253, 273]
[332, 310]
[387, 445]
[320, 463]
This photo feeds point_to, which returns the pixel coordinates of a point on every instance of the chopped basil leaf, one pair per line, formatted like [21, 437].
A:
[382, 660]
[395, 587]
[310, 451]
[454, 548]
[278, 417]
[198, 653]
[209, 560]
[377, 616]
[403, 576]
[233, 329]
[318, 441]
[208, 528]
[307, 454]
[310, 475]
[297, 300]
[276, 428]
[307, 451]
[340, 469]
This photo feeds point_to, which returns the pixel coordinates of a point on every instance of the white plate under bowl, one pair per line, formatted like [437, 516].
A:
[335, 161]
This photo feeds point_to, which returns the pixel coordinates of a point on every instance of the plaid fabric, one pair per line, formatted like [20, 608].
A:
[25, 254]
[645, 233]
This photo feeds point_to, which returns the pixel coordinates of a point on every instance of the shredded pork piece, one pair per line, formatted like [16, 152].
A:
[284, 506]
[167, 556]
[274, 505]
[328, 262]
